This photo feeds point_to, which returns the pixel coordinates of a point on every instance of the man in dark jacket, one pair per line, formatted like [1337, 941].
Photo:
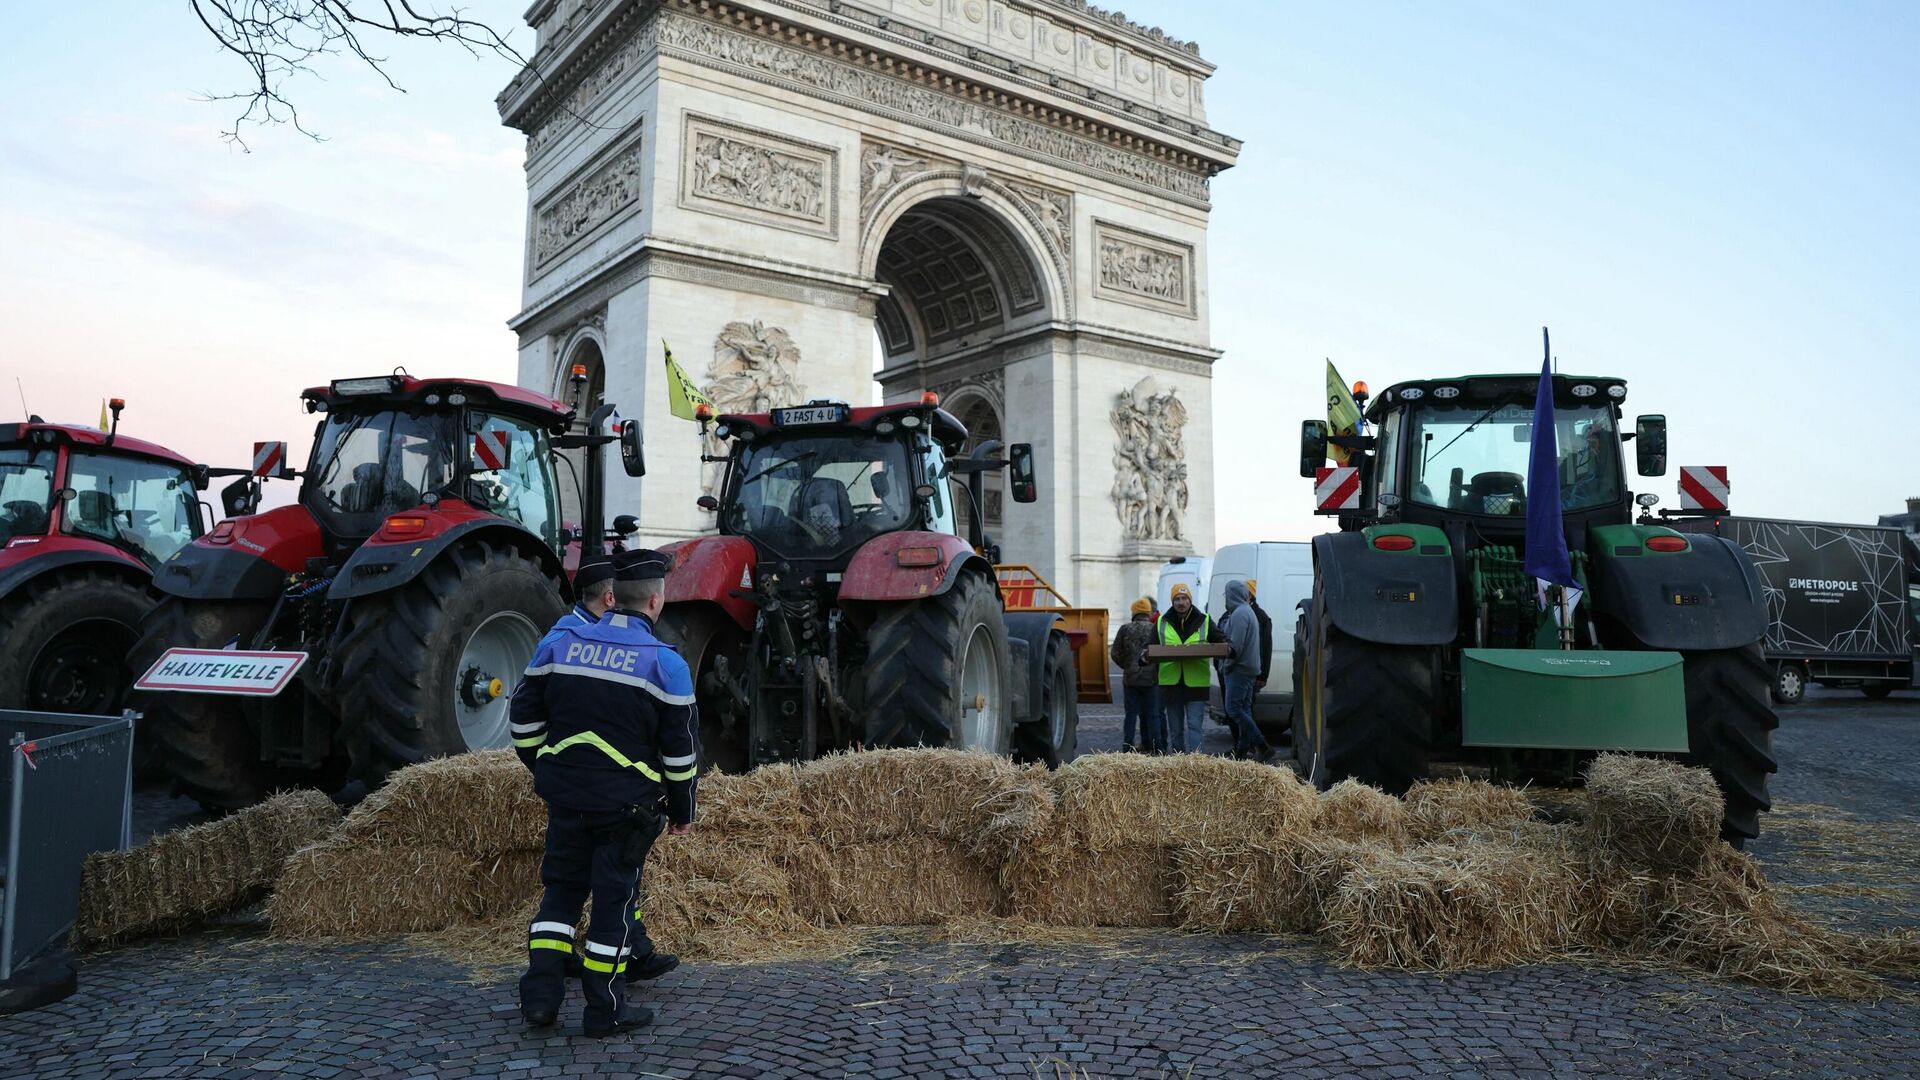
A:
[1242, 668]
[1184, 683]
[605, 719]
[1138, 676]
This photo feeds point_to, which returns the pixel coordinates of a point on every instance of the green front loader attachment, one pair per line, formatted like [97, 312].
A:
[1538, 699]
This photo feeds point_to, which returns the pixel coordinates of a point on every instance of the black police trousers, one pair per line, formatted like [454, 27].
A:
[587, 854]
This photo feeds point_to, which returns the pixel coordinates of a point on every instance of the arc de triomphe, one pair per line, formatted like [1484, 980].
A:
[1014, 195]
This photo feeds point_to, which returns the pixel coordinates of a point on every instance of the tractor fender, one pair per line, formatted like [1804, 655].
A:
[1706, 597]
[1387, 597]
[1027, 632]
[23, 563]
[243, 558]
[386, 561]
[933, 563]
[712, 569]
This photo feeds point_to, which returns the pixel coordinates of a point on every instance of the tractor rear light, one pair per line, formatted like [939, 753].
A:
[1393, 542]
[404, 525]
[1666, 543]
[221, 534]
[917, 556]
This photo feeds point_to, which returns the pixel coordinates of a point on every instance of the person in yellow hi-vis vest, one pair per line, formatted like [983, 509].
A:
[1184, 684]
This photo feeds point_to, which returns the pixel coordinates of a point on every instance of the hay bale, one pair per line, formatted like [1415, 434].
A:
[1452, 906]
[714, 901]
[479, 803]
[1241, 889]
[1112, 801]
[180, 878]
[1351, 810]
[1435, 807]
[981, 801]
[506, 883]
[1657, 814]
[1058, 881]
[764, 802]
[349, 889]
[896, 883]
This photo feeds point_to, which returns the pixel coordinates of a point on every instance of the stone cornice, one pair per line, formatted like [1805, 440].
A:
[1036, 96]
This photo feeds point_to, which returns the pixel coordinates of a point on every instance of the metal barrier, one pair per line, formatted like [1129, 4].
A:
[68, 793]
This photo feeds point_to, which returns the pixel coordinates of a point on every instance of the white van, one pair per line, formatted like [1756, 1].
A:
[1189, 570]
[1284, 572]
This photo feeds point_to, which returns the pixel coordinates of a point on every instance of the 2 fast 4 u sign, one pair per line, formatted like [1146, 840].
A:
[222, 671]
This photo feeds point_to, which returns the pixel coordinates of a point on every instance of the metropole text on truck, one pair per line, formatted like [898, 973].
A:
[1843, 601]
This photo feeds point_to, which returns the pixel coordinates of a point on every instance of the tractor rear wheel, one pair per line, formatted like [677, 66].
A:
[1052, 739]
[68, 637]
[1730, 723]
[938, 671]
[429, 669]
[1368, 710]
[203, 742]
[702, 634]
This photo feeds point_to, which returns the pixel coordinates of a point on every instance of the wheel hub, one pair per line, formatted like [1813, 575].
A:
[75, 677]
[498, 650]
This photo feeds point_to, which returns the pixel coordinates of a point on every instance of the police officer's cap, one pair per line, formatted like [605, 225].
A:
[640, 565]
[593, 571]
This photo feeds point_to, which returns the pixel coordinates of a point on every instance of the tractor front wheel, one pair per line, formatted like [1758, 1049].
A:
[429, 669]
[1052, 739]
[1730, 724]
[67, 641]
[1368, 709]
[203, 742]
[938, 671]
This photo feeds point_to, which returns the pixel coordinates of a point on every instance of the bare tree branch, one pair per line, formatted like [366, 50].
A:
[279, 39]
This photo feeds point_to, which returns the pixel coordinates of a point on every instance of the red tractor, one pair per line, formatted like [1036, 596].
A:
[838, 609]
[85, 517]
[397, 602]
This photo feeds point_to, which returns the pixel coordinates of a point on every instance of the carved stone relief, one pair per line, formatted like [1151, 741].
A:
[1150, 462]
[1145, 270]
[581, 100]
[777, 181]
[755, 368]
[883, 168]
[705, 43]
[1052, 209]
[588, 204]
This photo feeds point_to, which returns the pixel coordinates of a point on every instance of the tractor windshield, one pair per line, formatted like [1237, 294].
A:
[380, 463]
[822, 496]
[26, 492]
[1473, 458]
[146, 507]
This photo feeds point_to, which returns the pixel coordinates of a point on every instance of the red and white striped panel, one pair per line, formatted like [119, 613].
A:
[269, 458]
[1335, 489]
[1703, 487]
[490, 450]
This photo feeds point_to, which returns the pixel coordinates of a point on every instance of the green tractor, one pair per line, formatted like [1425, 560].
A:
[1425, 637]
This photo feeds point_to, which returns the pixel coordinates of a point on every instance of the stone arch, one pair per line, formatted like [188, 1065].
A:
[586, 344]
[978, 406]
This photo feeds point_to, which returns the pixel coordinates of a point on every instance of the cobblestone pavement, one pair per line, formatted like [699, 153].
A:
[227, 1004]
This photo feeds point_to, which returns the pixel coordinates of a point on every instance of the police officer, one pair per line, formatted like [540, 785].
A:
[593, 585]
[605, 719]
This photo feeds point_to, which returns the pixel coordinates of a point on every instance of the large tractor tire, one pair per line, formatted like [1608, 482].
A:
[429, 669]
[1730, 722]
[938, 671]
[203, 742]
[67, 637]
[1053, 738]
[1368, 710]
[702, 634]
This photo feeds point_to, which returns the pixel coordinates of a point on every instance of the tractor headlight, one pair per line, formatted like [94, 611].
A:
[1585, 391]
[1617, 392]
[1446, 393]
[910, 421]
[376, 384]
[1414, 393]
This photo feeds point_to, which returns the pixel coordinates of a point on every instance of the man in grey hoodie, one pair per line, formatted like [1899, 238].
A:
[1242, 629]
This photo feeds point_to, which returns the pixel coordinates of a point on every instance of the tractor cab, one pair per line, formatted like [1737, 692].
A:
[75, 487]
[813, 483]
[390, 444]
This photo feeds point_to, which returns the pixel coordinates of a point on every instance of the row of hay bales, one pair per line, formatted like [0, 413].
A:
[1457, 874]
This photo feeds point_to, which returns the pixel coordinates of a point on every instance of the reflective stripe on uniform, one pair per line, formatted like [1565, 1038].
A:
[552, 928]
[556, 668]
[679, 762]
[598, 949]
[588, 738]
[528, 729]
[530, 743]
[550, 943]
[591, 964]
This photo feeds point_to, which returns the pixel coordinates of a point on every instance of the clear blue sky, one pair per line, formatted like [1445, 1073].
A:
[1714, 201]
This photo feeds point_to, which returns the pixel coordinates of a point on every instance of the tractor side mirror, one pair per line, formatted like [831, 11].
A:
[632, 457]
[1026, 488]
[202, 476]
[626, 525]
[708, 503]
[1650, 445]
[1313, 447]
[239, 498]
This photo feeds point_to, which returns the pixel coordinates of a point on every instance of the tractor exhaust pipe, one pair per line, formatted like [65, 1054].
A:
[593, 501]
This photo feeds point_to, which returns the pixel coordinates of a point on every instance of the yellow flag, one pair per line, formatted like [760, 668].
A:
[104, 422]
[1343, 416]
[682, 394]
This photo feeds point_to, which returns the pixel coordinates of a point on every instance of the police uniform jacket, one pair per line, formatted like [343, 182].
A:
[605, 719]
